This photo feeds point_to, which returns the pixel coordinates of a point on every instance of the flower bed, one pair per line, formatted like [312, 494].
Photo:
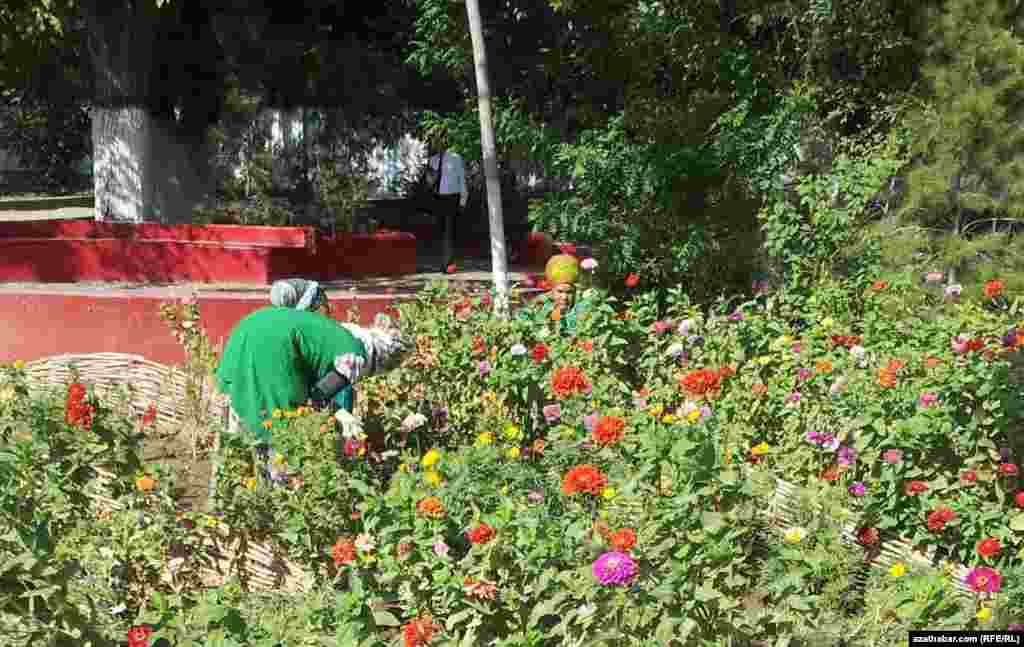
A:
[657, 474]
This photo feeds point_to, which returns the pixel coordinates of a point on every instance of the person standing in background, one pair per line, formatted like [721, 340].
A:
[451, 193]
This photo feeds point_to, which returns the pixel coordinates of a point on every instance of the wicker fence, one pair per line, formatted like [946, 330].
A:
[262, 566]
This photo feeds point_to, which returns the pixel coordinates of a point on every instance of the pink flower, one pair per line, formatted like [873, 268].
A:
[927, 400]
[959, 344]
[614, 568]
[552, 412]
[983, 579]
[661, 327]
[441, 549]
[934, 277]
[893, 456]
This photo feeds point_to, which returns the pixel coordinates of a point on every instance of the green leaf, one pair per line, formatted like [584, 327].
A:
[385, 619]
[1017, 522]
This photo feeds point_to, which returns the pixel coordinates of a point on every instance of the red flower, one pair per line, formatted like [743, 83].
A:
[867, 536]
[975, 345]
[567, 248]
[1008, 469]
[567, 381]
[993, 288]
[138, 636]
[150, 416]
[846, 341]
[608, 430]
[419, 632]
[989, 547]
[479, 347]
[878, 286]
[632, 280]
[343, 552]
[584, 478]
[1019, 499]
[76, 411]
[915, 487]
[586, 345]
[482, 534]
[726, 372]
[896, 364]
[540, 352]
[970, 476]
[451, 269]
[932, 362]
[701, 382]
[937, 519]
[623, 540]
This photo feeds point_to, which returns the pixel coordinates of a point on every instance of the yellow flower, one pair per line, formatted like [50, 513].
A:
[250, 483]
[794, 535]
[512, 453]
[984, 614]
[656, 410]
[279, 459]
[828, 322]
[898, 570]
[267, 424]
[486, 438]
[432, 478]
[693, 416]
[431, 458]
[764, 360]
[597, 405]
[609, 493]
[277, 413]
[668, 419]
[504, 489]
[513, 432]
[7, 393]
[19, 364]
[760, 450]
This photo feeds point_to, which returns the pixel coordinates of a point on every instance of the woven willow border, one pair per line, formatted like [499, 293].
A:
[260, 566]
[783, 509]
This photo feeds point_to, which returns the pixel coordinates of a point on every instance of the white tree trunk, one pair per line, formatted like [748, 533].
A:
[123, 164]
[499, 263]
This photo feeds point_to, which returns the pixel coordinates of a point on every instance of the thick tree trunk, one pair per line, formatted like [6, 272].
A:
[123, 164]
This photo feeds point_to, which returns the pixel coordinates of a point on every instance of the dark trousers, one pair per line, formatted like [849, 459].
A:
[446, 210]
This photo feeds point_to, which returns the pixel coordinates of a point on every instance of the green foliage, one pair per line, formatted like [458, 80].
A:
[50, 138]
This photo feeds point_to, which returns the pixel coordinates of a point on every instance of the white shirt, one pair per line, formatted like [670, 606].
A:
[453, 176]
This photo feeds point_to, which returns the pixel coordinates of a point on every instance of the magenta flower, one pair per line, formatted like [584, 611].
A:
[983, 579]
[857, 489]
[736, 316]
[893, 456]
[614, 569]
[927, 400]
[484, 367]
[804, 374]
[846, 455]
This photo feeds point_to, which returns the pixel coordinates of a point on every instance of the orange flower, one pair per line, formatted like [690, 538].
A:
[145, 483]
[609, 430]
[878, 286]
[584, 478]
[586, 345]
[431, 507]
[480, 589]
[482, 534]
[896, 364]
[567, 381]
[989, 547]
[831, 473]
[886, 378]
[759, 389]
[420, 631]
[993, 288]
[632, 280]
[701, 382]
[556, 314]
[343, 552]
[623, 540]
[932, 362]
[823, 366]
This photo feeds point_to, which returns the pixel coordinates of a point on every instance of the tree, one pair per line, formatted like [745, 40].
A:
[966, 134]
[497, 223]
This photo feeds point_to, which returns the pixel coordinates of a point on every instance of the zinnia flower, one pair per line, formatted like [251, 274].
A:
[685, 326]
[365, 543]
[846, 456]
[857, 489]
[661, 327]
[480, 589]
[569, 380]
[540, 352]
[441, 548]
[898, 569]
[867, 536]
[989, 547]
[934, 277]
[701, 382]
[584, 478]
[632, 280]
[138, 636]
[614, 569]
[993, 288]
[431, 458]
[1008, 469]
[983, 579]
[927, 399]
[431, 507]
[623, 540]
[969, 476]
[915, 487]
[1019, 499]
[893, 456]
[414, 421]
[937, 519]
[552, 412]
[609, 430]
[482, 534]
[419, 632]
[984, 614]
[518, 350]
[343, 552]
[589, 264]
[794, 535]
[484, 368]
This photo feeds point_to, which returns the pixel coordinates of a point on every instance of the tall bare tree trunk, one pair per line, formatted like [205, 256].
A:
[499, 263]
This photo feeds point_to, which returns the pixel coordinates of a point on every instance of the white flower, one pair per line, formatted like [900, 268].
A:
[187, 324]
[364, 543]
[675, 350]
[118, 610]
[859, 353]
[414, 421]
[686, 325]
[589, 264]
[586, 610]
[518, 349]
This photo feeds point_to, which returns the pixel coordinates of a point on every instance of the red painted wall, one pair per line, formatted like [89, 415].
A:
[39, 323]
[85, 250]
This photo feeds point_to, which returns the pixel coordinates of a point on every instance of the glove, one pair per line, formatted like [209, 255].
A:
[351, 427]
